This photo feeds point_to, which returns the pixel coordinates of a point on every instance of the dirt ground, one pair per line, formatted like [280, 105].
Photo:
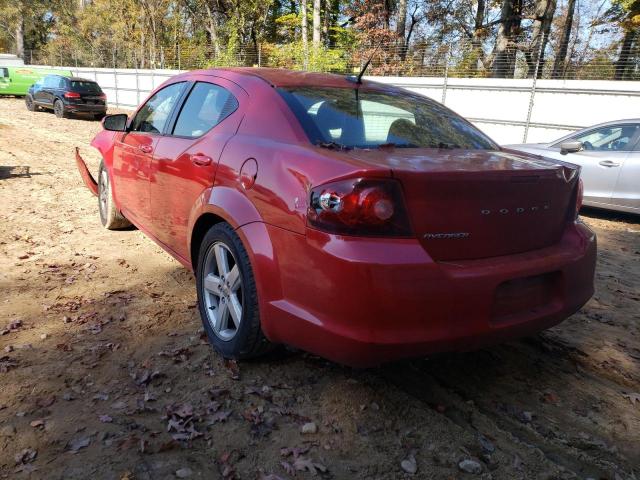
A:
[105, 373]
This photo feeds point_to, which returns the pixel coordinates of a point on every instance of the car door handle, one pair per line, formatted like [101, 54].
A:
[201, 160]
[609, 163]
[145, 148]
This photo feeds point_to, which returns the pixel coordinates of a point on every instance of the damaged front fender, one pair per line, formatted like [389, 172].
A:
[87, 178]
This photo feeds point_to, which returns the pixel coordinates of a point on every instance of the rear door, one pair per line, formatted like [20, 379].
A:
[627, 191]
[133, 151]
[186, 159]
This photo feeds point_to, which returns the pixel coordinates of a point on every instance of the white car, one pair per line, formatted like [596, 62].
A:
[609, 155]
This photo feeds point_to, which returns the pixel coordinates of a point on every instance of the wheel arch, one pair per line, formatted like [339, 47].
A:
[215, 205]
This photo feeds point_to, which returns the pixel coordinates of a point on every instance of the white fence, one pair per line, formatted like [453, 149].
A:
[507, 110]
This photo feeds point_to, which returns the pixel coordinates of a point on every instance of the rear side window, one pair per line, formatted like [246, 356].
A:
[206, 107]
[85, 87]
[4, 72]
[153, 115]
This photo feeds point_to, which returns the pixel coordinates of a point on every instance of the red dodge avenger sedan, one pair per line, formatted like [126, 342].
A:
[354, 220]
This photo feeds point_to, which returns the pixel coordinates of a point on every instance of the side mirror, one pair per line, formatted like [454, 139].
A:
[115, 123]
[570, 147]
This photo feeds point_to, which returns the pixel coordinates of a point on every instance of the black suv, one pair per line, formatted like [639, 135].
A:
[66, 95]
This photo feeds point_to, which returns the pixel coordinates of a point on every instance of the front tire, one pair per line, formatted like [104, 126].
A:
[110, 216]
[58, 109]
[31, 106]
[228, 297]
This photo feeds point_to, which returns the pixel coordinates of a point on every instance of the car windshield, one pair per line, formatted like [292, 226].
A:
[360, 118]
[85, 87]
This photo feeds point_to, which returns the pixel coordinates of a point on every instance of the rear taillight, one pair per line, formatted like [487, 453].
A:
[102, 96]
[71, 95]
[360, 206]
[579, 196]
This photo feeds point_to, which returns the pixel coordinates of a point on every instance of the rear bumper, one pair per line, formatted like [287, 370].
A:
[82, 108]
[363, 302]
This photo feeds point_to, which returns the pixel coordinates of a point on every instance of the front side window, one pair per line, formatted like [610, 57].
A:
[357, 118]
[610, 138]
[51, 82]
[206, 106]
[153, 116]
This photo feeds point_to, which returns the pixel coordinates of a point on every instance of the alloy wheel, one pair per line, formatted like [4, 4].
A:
[222, 291]
[58, 109]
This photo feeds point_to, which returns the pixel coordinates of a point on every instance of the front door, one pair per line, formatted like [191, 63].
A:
[133, 151]
[186, 159]
[627, 191]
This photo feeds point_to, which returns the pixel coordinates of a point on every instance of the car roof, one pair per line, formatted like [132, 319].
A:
[281, 77]
[80, 79]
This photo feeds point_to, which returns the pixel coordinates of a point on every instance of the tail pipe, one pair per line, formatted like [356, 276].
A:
[87, 178]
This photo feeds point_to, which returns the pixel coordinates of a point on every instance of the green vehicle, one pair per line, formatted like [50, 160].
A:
[17, 80]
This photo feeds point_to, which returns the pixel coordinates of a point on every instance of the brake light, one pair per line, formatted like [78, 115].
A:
[71, 95]
[102, 96]
[579, 196]
[367, 207]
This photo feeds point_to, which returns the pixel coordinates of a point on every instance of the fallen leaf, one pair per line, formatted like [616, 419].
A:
[78, 443]
[184, 473]
[25, 456]
[46, 401]
[633, 397]
[233, 368]
[409, 465]
[220, 416]
[303, 463]
[37, 423]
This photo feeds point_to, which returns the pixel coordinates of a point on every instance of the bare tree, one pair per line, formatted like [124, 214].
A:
[305, 28]
[624, 59]
[20, 36]
[563, 43]
[542, 19]
[402, 21]
[504, 53]
[317, 26]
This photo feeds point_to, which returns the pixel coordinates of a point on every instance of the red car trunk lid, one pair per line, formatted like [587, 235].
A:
[477, 204]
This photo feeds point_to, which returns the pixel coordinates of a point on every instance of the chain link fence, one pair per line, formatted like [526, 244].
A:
[461, 59]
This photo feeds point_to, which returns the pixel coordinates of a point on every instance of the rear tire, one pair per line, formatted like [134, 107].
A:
[110, 216]
[239, 335]
[99, 116]
[58, 109]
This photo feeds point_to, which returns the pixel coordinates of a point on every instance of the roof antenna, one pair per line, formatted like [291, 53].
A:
[358, 79]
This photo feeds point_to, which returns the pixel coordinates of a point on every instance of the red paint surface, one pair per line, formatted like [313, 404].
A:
[357, 300]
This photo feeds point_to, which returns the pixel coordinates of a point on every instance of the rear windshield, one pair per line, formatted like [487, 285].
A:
[85, 87]
[358, 118]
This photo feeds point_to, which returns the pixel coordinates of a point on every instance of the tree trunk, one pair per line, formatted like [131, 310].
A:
[504, 59]
[544, 12]
[401, 26]
[623, 62]
[20, 37]
[563, 46]
[317, 26]
[478, 33]
[212, 30]
[305, 40]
